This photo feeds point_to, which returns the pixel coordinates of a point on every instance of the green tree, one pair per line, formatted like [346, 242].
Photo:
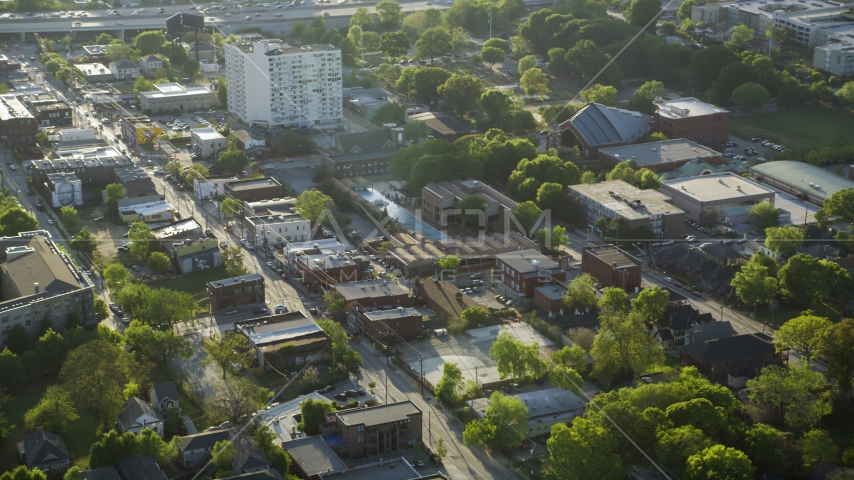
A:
[475, 316]
[784, 240]
[222, 92]
[543, 168]
[574, 357]
[471, 209]
[16, 220]
[231, 161]
[799, 395]
[806, 280]
[226, 351]
[231, 206]
[313, 414]
[446, 388]
[602, 94]
[526, 63]
[741, 36]
[192, 68]
[641, 12]
[266, 439]
[801, 334]
[149, 42]
[674, 446]
[18, 340]
[141, 240]
[235, 398]
[394, 44]
[143, 84]
[101, 308]
[648, 179]
[834, 344]
[390, 13]
[311, 204]
[535, 82]
[623, 341]
[54, 411]
[527, 214]
[841, 203]
[116, 276]
[750, 96]
[581, 293]
[817, 446]
[762, 445]
[586, 449]
[449, 263]
[160, 346]
[500, 155]
[550, 195]
[461, 93]
[685, 9]
[552, 240]
[588, 178]
[764, 215]
[492, 55]
[434, 42]
[114, 193]
[23, 473]
[651, 303]
[514, 359]
[389, 113]
[415, 130]
[84, 241]
[362, 18]
[567, 378]
[615, 300]
[504, 425]
[708, 63]
[158, 262]
[222, 456]
[754, 285]
[719, 461]
[96, 373]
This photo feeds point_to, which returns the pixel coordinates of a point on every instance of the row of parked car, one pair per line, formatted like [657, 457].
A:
[697, 226]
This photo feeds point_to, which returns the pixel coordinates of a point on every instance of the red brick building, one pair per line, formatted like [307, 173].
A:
[373, 431]
[254, 190]
[549, 298]
[404, 322]
[231, 292]
[327, 268]
[692, 119]
[444, 298]
[17, 125]
[372, 293]
[612, 266]
[521, 272]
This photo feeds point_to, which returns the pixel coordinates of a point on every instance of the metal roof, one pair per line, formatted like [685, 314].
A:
[394, 412]
[601, 125]
[805, 177]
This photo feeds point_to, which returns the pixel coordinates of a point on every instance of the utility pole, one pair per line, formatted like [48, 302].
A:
[421, 362]
[386, 387]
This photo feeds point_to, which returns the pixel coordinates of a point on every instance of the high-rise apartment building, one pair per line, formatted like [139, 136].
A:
[275, 85]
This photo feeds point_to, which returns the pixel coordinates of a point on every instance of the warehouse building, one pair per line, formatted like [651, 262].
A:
[732, 195]
[660, 157]
[807, 181]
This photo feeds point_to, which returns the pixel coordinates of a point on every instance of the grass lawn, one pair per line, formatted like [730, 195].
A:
[784, 314]
[27, 396]
[124, 87]
[794, 128]
[192, 283]
[188, 404]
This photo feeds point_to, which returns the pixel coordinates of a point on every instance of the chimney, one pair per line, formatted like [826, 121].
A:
[36, 287]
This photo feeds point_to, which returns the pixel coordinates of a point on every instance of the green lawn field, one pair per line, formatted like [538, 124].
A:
[794, 128]
[192, 283]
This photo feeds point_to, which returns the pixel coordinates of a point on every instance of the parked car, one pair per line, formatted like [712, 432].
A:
[340, 396]
[261, 310]
[230, 311]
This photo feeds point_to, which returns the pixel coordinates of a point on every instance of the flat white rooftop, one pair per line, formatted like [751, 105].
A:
[206, 133]
[685, 108]
[716, 187]
[165, 90]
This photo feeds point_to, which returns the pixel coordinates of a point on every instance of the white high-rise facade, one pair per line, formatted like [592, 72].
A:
[275, 85]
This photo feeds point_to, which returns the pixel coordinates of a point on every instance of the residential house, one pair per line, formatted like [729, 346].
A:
[195, 450]
[312, 456]
[206, 51]
[269, 474]
[103, 473]
[670, 331]
[691, 263]
[255, 147]
[570, 321]
[724, 255]
[124, 70]
[248, 456]
[443, 298]
[140, 467]
[522, 271]
[373, 431]
[164, 396]
[138, 415]
[45, 451]
[709, 331]
[148, 64]
[721, 32]
[821, 251]
[715, 359]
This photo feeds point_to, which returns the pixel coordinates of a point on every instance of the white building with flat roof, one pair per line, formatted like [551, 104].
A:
[176, 97]
[207, 142]
[806, 27]
[835, 59]
[733, 196]
[275, 85]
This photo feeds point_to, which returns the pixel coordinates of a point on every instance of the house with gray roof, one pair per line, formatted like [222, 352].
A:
[164, 396]
[45, 451]
[709, 331]
[124, 70]
[140, 467]
[195, 450]
[715, 359]
[138, 415]
[248, 456]
[104, 473]
[364, 153]
[312, 456]
[269, 474]
[598, 126]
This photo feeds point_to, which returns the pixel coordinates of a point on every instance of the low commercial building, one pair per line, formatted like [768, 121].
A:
[207, 142]
[549, 298]
[254, 190]
[404, 322]
[156, 211]
[53, 115]
[90, 165]
[805, 180]
[211, 187]
[40, 281]
[326, 267]
[66, 190]
[310, 247]
[374, 431]
[95, 72]
[196, 255]
[835, 59]
[136, 181]
[174, 97]
[522, 271]
[729, 194]
[194, 451]
[440, 200]
[236, 291]
[443, 298]
[443, 126]
[372, 294]
[598, 126]
[546, 408]
[304, 340]
[17, 125]
[660, 157]
[612, 266]
[139, 130]
[276, 228]
[638, 208]
[364, 153]
[691, 119]
[176, 231]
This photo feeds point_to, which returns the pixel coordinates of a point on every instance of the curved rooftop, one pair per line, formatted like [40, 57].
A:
[808, 178]
[603, 125]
